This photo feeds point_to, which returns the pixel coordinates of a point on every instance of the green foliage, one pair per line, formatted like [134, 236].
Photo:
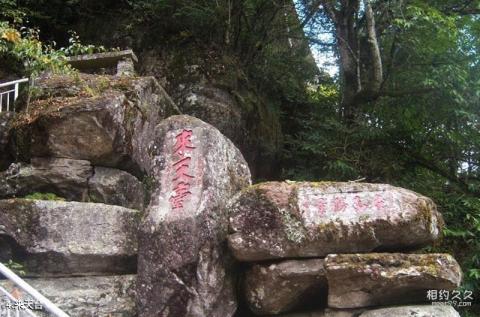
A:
[76, 47]
[426, 140]
[23, 44]
[16, 267]
[44, 196]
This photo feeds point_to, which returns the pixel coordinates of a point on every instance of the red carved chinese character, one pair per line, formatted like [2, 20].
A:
[379, 202]
[338, 204]
[181, 191]
[182, 178]
[183, 142]
[359, 205]
[322, 206]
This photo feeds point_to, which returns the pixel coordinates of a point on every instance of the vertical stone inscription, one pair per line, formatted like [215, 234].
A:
[182, 179]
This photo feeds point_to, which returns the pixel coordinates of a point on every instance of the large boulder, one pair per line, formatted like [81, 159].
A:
[99, 296]
[417, 311]
[288, 220]
[183, 266]
[63, 238]
[375, 279]
[94, 118]
[6, 120]
[66, 178]
[116, 187]
[281, 287]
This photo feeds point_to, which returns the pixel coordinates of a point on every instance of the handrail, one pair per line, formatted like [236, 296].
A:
[7, 93]
[49, 306]
[18, 81]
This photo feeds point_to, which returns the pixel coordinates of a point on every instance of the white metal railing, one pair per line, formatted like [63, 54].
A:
[8, 96]
[19, 308]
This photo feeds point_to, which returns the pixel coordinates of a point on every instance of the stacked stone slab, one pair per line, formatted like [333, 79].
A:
[93, 150]
[83, 142]
[356, 241]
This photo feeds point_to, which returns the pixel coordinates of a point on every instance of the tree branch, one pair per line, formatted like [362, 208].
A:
[376, 58]
[313, 10]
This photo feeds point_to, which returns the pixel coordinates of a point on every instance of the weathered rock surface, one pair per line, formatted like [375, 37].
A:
[378, 279]
[400, 311]
[116, 187]
[213, 105]
[287, 220]
[183, 267]
[63, 238]
[99, 296]
[417, 311]
[331, 312]
[66, 178]
[101, 119]
[284, 286]
[6, 119]
[304, 314]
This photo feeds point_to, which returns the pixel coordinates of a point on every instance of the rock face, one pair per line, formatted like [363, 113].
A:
[417, 311]
[284, 286]
[64, 177]
[63, 238]
[213, 105]
[362, 280]
[96, 118]
[211, 91]
[99, 296]
[183, 267]
[115, 187]
[287, 220]
[6, 119]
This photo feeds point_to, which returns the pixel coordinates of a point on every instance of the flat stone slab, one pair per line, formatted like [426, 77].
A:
[99, 296]
[417, 311]
[289, 220]
[66, 178]
[284, 286]
[64, 238]
[100, 60]
[379, 279]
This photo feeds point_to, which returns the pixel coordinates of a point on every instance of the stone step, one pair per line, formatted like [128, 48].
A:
[68, 238]
[363, 280]
[290, 220]
[99, 296]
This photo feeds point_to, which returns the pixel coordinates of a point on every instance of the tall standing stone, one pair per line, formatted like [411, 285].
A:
[183, 266]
